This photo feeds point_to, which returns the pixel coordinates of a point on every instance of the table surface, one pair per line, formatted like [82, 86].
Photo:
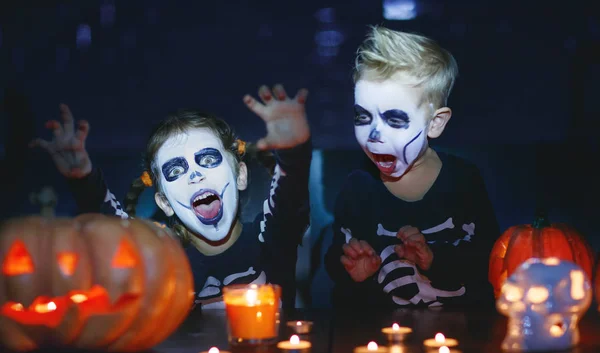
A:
[477, 332]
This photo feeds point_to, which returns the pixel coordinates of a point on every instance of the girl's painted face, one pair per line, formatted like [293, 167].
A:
[199, 182]
[389, 124]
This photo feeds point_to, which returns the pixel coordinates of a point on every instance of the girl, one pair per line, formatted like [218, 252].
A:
[196, 164]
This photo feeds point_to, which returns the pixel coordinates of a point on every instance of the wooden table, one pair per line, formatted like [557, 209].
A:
[477, 332]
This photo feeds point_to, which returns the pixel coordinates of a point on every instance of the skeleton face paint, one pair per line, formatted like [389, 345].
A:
[199, 182]
[389, 125]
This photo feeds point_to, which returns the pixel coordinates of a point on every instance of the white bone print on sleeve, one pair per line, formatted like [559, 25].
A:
[111, 201]
[269, 203]
[426, 293]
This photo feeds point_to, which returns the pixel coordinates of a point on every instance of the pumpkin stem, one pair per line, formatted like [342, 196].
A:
[541, 219]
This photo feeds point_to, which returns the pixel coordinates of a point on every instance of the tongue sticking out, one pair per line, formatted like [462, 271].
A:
[385, 162]
[208, 209]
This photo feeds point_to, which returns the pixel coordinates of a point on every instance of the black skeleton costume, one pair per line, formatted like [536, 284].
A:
[455, 216]
[266, 250]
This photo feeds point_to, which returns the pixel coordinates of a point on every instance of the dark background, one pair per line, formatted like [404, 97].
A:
[524, 106]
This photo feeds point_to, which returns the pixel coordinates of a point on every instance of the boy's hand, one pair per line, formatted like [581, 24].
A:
[67, 148]
[285, 117]
[414, 247]
[360, 260]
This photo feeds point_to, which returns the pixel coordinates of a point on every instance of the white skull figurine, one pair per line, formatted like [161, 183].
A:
[544, 300]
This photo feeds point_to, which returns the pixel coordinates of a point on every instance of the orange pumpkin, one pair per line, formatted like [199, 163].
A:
[92, 282]
[539, 239]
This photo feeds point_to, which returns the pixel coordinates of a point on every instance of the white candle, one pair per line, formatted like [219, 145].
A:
[396, 333]
[439, 341]
[294, 345]
[300, 327]
[372, 347]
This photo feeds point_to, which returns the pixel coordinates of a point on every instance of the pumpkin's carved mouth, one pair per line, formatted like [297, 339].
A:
[49, 311]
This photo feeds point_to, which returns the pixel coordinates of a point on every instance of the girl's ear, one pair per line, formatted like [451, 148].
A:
[164, 204]
[242, 178]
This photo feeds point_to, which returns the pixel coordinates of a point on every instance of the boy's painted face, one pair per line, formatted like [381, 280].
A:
[199, 182]
[389, 124]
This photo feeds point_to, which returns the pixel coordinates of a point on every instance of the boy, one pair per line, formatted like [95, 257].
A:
[418, 232]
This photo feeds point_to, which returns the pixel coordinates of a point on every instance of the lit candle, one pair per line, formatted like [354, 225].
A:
[396, 349]
[294, 345]
[372, 347]
[300, 327]
[396, 333]
[214, 350]
[252, 312]
[439, 341]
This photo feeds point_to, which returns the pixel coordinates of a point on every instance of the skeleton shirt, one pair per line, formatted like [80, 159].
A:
[266, 250]
[459, 225]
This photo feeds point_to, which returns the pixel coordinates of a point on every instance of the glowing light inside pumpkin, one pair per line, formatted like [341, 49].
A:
[125, 257]
[45, 308]
[17, 307]
[78, 298]
[537, 294]
[372, 346]
[67, 262]
[577, 285]
[17, 260]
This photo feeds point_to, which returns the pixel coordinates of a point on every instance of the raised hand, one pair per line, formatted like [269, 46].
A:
[414, 247]
[360, 260]
[67, 147]
[284, 117]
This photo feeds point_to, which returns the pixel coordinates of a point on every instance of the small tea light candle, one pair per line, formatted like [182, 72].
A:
[372, 347]
[214, 350]
[300, 327]
[294, 345]
[439, 341]
[396, 333]
[445, 349]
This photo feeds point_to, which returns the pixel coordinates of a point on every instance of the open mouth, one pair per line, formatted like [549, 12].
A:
[208, 206]
[385, 162]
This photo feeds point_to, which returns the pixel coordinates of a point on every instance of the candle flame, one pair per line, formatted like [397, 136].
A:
[251, 296]
[444, 349]
[213, 350]
[440, 338]
[372, 346]
[298, 323]
[295, 339]
[396, 327]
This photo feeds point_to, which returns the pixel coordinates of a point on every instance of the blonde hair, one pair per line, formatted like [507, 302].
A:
[385, 53]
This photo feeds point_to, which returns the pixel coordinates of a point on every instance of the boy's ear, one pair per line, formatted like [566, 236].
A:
[439, 121]
[242, 178]
[164, 204]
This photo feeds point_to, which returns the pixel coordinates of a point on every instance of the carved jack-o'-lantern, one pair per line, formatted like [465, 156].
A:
[539, 240]
[92, 282]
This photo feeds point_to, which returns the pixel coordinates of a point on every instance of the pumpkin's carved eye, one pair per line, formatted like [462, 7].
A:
[67, 262]
[17, 260]
[125, 257]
